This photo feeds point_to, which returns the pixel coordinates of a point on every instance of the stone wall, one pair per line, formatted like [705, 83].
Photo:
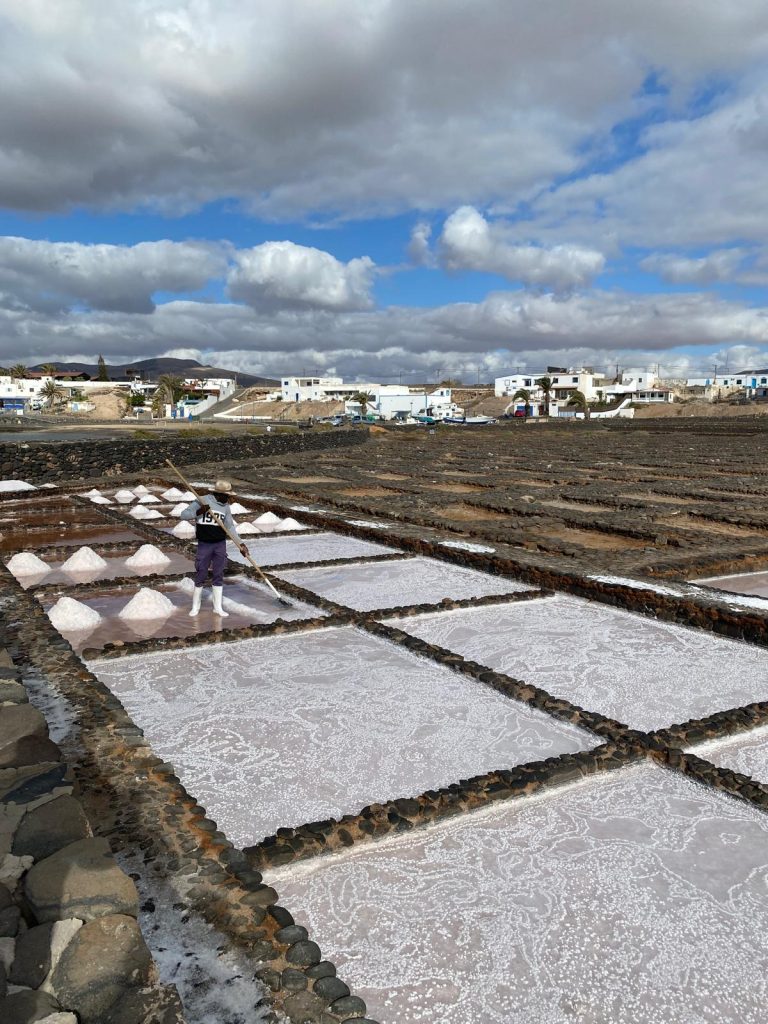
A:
[70, 946]
[42, 462]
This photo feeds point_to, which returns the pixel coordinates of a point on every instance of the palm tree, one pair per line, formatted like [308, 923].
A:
[545, 383]
[52, 392]
[524, 396]
[49, 369]
[579, 400]
[169, 391]
[362, 398]
[18, 371]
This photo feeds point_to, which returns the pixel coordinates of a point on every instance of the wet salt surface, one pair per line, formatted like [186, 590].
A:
[291, 729]
[394, 584]
[751, 583]
[645, 673]
[747, 753]
[255, 604]
[116, 566]
[632, 897]
[316, 547]
[64, 536]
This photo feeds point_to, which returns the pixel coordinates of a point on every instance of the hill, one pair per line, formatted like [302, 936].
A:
[152, 368]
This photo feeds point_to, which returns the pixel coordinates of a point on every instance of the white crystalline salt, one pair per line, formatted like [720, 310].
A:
[245, 528]
[149, 499]
[147, 554]
[99, 499]
[148, 604]
[124, 495]
[461, 545]
[84, 558]
[93, 493]
[267, 519]
[183, 529]
[238, 510]
[70, 616]
[187, 496]
[141, 489]
[27, 564]
[178, 509]
[172, 494]
[152, 513]
[140, 512]
[291, 524]
[16, 485]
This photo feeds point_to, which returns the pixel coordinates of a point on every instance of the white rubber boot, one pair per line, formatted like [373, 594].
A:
[217, 609]
[196, 599]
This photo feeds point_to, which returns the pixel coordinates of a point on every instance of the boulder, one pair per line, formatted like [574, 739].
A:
[26, 1007]
[19, 720]
[103, 964]
[12, 692]
[149, 1006]
[33, 957]
[29, 750]
[81, 880]
[50, 827]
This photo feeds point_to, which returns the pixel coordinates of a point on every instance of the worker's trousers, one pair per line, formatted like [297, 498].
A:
[213, 557]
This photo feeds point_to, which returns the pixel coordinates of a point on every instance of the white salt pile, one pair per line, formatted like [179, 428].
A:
[27, 564]
[187, 496]
[152, 513]
[141, 489]
[238, 510]
[16, 485]
[245, 528]
[184, 529]
[124, 495]
[70, 616]
[267, 519]
[149, 499]
[148, 604]
[147, 554]
[140, 512]
[178, 509]
[172, 494]
[93, 493]
[291, 524]
[84, 558]
[99, 499]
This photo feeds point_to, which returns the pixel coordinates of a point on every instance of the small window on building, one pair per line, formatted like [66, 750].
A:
[575, 380]
[738, 381]
[555, 380]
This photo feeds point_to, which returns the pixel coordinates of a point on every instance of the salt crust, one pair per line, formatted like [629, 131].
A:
[316, 547]
[746, 753]
[148, 604]
[71, 616]
[147, 554]
[631, 897]
[183, 529]
[25, 563]
[464, 546]
[290, 729]
[16, 485]
[83, 558]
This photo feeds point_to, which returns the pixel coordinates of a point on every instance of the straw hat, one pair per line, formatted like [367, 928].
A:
[222, 486]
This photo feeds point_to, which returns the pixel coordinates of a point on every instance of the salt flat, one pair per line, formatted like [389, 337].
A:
[755, 583]
[296, 728]
[396, 584]
[747, 753]
[645, 673]
[316, 547]
[632, 897]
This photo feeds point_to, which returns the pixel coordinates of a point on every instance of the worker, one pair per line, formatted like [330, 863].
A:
[209, 515]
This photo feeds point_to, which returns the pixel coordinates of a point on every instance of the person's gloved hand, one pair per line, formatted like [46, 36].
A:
[244, 550]
[201, 511]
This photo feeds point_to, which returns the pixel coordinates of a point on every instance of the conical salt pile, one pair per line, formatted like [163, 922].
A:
[85, 558]
[149, 499]
[238, 510]
[140, 512]
[184, 529]
[291, 524]
[99, 499]
[27, 564]
[172, 494]
[267, 519]
[147, 555]
[141, 489]
[70, 616]
[93, 493]
[152, 513]
[148, 604]
[124, 496]
[178, 509]
[187, 496]
[244, 529]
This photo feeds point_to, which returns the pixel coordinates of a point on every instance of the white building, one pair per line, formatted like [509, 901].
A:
[392, 401]
[317, 389]
[753, 382]
[640, 386]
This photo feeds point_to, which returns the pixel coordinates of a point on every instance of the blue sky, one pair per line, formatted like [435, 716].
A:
[239, 183]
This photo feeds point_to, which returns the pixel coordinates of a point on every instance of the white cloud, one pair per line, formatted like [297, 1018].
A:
[284, 275]
[469, 242]
[720, 265]
[49, 275]
[419, 252]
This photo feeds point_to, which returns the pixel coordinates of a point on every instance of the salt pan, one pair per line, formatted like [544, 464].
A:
[291, 524]
[267, 519]
[99, 499]
[148, 604]
[172, 494]
[16, 485]
[70, 616]
[184, 529]
[27, 564]
[84, 558]
[238, 510]
[147, 554]
[149, 499]
[124, 496]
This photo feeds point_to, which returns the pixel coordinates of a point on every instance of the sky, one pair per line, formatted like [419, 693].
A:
[386, 190]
